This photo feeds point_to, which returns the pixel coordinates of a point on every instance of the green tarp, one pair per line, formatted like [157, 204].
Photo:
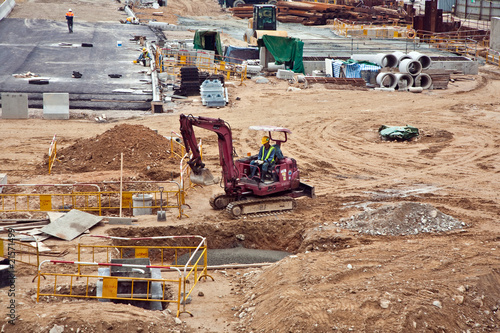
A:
[286, 50]
[399, 133]
[208, 40]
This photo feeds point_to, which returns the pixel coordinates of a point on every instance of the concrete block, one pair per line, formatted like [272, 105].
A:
[285, 74]
[56, 106]
[14, 106]
[495, 34]
[6, 7]
[3, 180]
[310, 66]
[464, 65]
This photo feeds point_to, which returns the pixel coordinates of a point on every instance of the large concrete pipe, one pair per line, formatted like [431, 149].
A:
[424, 60]
[400, 56]
[410, 66]
[404, 81]
[381, 59]
[422, 80]
[387, 80]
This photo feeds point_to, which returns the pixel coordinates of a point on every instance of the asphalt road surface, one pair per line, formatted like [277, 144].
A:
[46, 48]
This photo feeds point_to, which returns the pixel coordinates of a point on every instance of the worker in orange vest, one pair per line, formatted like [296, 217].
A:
[69, 18]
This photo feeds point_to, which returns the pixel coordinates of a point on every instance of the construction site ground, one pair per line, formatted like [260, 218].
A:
[402, 237]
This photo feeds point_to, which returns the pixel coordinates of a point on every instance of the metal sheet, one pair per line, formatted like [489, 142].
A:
[71, 225]
[270, 129]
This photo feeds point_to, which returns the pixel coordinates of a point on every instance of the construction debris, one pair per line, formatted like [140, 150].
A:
[25, 75]
[71, 225]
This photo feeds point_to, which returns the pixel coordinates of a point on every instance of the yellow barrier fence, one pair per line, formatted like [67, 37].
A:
[86, 285]
[20, 251]
[95, 201]
[171, 60]
[371, 30]
[195, 268]
[52, 153]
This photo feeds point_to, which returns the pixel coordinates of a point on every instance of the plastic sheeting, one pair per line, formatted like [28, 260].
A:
[352, 69]
[237, 54]
[399, 133]
[286, 50]
[208, 40]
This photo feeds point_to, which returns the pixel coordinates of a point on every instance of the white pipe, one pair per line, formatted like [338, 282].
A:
[410, 66]
[422, 80]
[387, 80]
[424, 60]
[415, 89]
[404, 81]
[381, 59]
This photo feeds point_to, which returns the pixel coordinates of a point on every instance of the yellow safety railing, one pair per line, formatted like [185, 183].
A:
[195, 268]
[345, 28]
[170, 61]
[176, 145]
[158, 254]
[492, 57]
[96, 201]
[85, 285]
[52, 153]
[20, 252]
[452, 43]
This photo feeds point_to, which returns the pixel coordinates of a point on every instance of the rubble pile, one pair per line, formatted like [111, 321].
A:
[408, 218]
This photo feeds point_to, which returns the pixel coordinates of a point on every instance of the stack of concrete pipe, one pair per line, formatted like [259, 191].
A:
[409, 67]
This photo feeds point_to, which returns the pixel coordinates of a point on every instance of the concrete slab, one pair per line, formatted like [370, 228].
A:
[45, 48]
[71, 225]
[14, 106]
[53, 216]
[56, 106]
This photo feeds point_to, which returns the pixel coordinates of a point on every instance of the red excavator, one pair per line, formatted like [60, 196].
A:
[243, 195]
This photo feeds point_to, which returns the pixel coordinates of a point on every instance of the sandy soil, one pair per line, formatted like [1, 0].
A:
[339, 278]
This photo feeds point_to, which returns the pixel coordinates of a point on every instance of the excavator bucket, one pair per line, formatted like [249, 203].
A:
[205, 177]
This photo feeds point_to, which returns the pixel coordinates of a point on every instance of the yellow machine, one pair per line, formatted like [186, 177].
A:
[263, 23]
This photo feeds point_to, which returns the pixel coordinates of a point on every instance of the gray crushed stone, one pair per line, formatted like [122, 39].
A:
[408, 218]
[237, 255]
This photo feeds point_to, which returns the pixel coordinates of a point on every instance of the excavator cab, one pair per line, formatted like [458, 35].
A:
[279, 138]
[263, 22]
[264, 17]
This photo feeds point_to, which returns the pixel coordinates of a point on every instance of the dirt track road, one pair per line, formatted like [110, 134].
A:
[338, 279]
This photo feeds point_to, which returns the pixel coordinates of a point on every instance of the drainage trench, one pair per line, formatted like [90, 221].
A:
[228, 243]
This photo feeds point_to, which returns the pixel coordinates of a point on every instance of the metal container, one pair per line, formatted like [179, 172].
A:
[142, 204]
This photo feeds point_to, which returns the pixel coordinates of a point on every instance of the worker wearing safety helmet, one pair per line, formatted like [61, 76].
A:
[265, 160]
[69, 19]
[144, 55]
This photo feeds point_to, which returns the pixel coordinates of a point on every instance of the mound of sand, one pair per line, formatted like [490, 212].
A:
[143, 150]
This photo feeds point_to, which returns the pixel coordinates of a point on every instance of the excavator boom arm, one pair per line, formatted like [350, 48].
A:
[225, 141]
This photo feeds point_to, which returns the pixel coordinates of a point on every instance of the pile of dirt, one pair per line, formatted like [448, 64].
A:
[408, 218]
[144, 151]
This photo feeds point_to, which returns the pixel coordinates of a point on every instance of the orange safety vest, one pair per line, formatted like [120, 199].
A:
[70, 14]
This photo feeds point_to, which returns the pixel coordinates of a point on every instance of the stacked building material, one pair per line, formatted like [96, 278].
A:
[213, 93]
[190, 81]
[314, 13]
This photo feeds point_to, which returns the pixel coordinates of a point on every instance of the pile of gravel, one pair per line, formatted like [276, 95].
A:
[408, 218]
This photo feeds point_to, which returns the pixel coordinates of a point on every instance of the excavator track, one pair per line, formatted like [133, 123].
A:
[260, 207]
[220, 201]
